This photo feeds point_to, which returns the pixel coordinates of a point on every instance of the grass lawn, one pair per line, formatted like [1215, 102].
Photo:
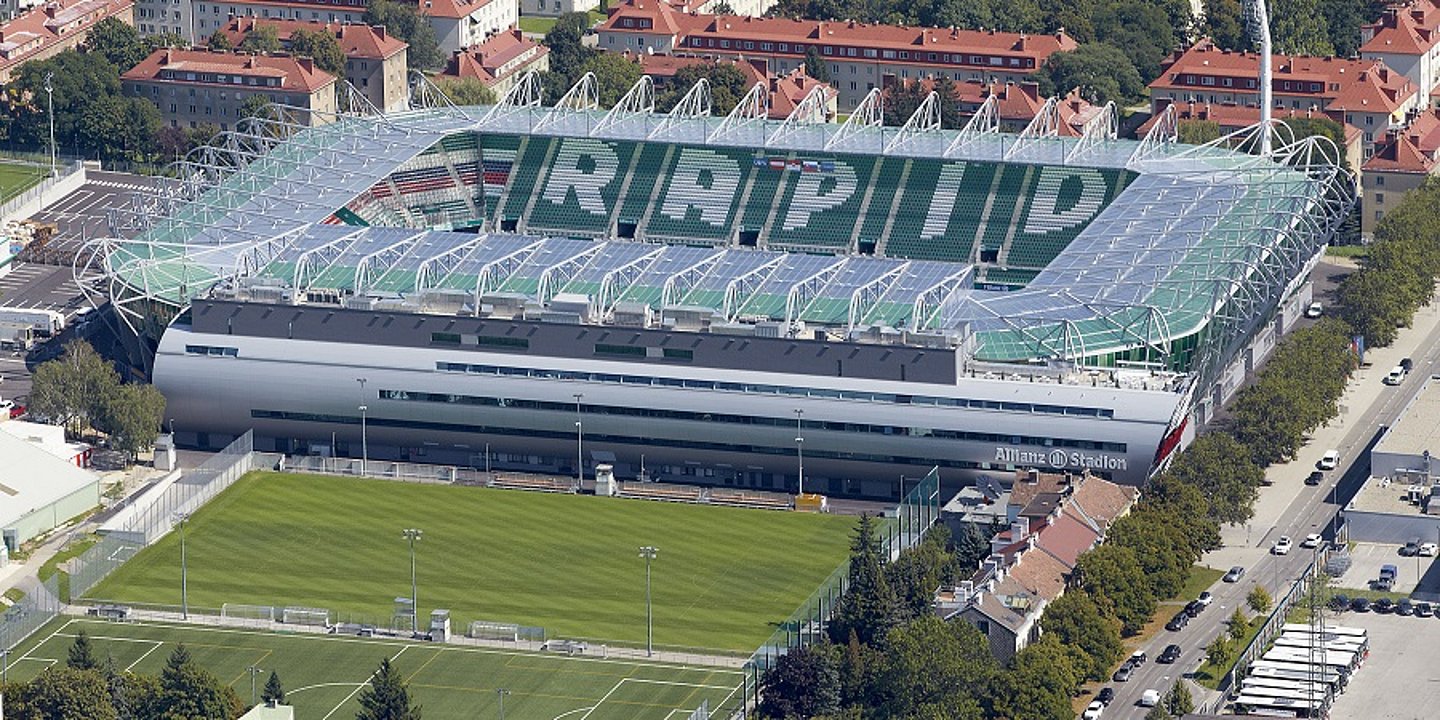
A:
[16, 178]
[1210, 675]
[323, 674]
[567, 563]
[1200, 580]
[1348, 251]
[73, 549]
[537, 25]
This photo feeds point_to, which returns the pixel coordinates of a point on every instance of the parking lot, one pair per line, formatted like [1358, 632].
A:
[1398, 681]
[1367, 559]
[82, 215]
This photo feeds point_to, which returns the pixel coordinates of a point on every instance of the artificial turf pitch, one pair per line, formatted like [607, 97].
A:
[568, 563]
[324, 674]
[16, 178]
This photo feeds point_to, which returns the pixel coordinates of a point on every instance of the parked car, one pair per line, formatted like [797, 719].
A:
[1424, 609]
[1315, 310]
[1150, 698]
[1094, 711]
[1360, 605]
[1329, 461]
[1339, 602]
[1193, 608]
[1282, 546]
[1105, 695]
[1123, 673]
[1395, 376]
[1384, 606]
[1427, 549]
[1234, 575]
[1170, 654]
[1178, 622]
[1388, 575]
[1411, 548]
[1407, 364]
[1315, 478]
[1205, 598]
[1404, 607]
[1312, 540]
[1138, 658]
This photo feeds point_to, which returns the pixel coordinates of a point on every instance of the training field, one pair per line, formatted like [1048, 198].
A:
[567, 563]
[16, 178]
[323, 674]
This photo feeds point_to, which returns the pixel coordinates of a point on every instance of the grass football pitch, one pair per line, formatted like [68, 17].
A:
[568, 563]
[324, 674]
[16, 178]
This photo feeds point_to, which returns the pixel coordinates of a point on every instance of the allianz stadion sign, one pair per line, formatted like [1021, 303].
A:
[1060, 459]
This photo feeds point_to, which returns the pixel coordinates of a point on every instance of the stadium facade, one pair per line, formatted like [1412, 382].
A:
[695, 294]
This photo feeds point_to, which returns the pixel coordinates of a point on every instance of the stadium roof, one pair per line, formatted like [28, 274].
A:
[1202, 234]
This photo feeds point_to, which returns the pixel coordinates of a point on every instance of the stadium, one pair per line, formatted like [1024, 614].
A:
[719, 300]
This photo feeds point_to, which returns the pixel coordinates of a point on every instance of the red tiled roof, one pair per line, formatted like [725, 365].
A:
[44, 25]
[1038, 573]
[665, 66]
[453, 9]
[487, 61]
[1399, 154]
[356, 39]
[1231, 117]
[1377, 89]
[1066, 538]
[1409, 28]
[295, 74]
[1101, 501]
[1204, 59]
[787, 91]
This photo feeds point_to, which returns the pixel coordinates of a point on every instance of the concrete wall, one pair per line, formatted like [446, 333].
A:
[1379, 527]
[34, 200]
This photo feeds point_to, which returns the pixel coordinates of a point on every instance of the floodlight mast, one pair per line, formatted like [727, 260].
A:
[1260, 29]
[413, 534]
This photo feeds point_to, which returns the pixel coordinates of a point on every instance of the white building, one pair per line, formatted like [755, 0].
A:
[461, 23]
[39, 491]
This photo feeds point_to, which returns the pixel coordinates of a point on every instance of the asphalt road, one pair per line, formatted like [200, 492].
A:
[1310, 510]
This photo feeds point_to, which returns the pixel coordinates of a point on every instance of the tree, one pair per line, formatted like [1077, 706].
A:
[1299, 27]
[62, 693]
[262, 39]
[387, 698]
[74, 388]
[1343, 19]
[727, 86]
[406, 22]
[1077, 621]
[256, 105]
[82, 655]
[870, 609]
[1160, 546]
[567, 51]
[189, 691]
[614, 75]
[1224, 23]
[1157, 713]
[1186, 507]
[1038, 684]
[919, 570]
[1113, 576]
[805, 682]
[1218, 465]
[465, 91]
[220, 41]
[119, 43]
[273, 691]
[1258, 600]
[1198, 132]
[933, 668]
[1143, 30]
[1102, 73]
[1179, 702]
[322, 46]
[132, 417]
[1218, 651]
[815, 65]
[80, 79]
[971, 547]
[1237, 625]
[722, 8]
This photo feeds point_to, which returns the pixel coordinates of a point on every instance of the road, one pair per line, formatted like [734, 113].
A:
[1289, 507]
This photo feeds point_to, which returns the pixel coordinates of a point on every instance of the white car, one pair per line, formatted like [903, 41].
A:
[1312, 540]
[1315, 310]
[1330, 460]
[1427, 550]
[1093, 712]
[1150, 698]
[1282, 546]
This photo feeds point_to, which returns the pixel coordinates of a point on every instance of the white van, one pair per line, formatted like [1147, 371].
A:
[1329, 460]
[1395, 376]
[1150, 698]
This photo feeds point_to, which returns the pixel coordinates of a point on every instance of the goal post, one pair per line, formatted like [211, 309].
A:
[317, 617]
[486, 630]
[247, 613]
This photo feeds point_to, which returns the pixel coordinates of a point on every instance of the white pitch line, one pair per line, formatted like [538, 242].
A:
[681, 684]
[602, 699]
[572, 712]
[362, 685]
[158, 644]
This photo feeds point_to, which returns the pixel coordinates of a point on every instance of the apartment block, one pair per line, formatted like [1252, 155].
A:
[195, 87]
[499, 61]
[374, 59]
[47, 30]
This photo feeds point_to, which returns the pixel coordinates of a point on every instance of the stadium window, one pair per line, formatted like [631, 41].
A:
[679, 354]
[628, 350]
[442, 338]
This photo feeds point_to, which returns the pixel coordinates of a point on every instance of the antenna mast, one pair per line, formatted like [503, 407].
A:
[1260, 30]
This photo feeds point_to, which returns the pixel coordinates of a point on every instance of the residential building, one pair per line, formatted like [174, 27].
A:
[10, 8]
[556, 8]
[499, 61]
[1053, 519]
[211, 15]
[1231, 118]
[1400, 164]
[1365, 93]
[194, 87]
[1017, 103]
[1407, 38]
[784, 92]
[374, 59]
[153, 17]
[860, 57]
[50, 29]
[459, 24]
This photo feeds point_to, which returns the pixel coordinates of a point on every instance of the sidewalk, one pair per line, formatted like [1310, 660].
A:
[1243, 544]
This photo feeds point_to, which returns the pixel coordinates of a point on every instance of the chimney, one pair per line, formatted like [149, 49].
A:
[306, 63]
[964, 591]
[990, 567]
[380, 30]
[1019, 529]
[1032, 90]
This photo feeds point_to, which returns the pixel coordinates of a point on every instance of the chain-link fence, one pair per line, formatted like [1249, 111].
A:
[39, 606]
[900, 529]
[192, 490]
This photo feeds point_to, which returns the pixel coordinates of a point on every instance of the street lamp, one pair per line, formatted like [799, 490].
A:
[413, 534]
[253, 670]
[50, 101]
[364, 439]
[579, 443]
[799, 452]
[501, 693]
[182, 518]
[649, 552]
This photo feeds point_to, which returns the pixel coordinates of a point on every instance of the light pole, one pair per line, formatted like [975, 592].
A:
[799, 452]
[184, 569]
[50, 101]
[501, 693]
[579, 443]
[649, 552]
[253, 670]
[364, 439]
[413, 534]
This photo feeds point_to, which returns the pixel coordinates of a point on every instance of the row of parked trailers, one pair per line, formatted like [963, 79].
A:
[1302, 672]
